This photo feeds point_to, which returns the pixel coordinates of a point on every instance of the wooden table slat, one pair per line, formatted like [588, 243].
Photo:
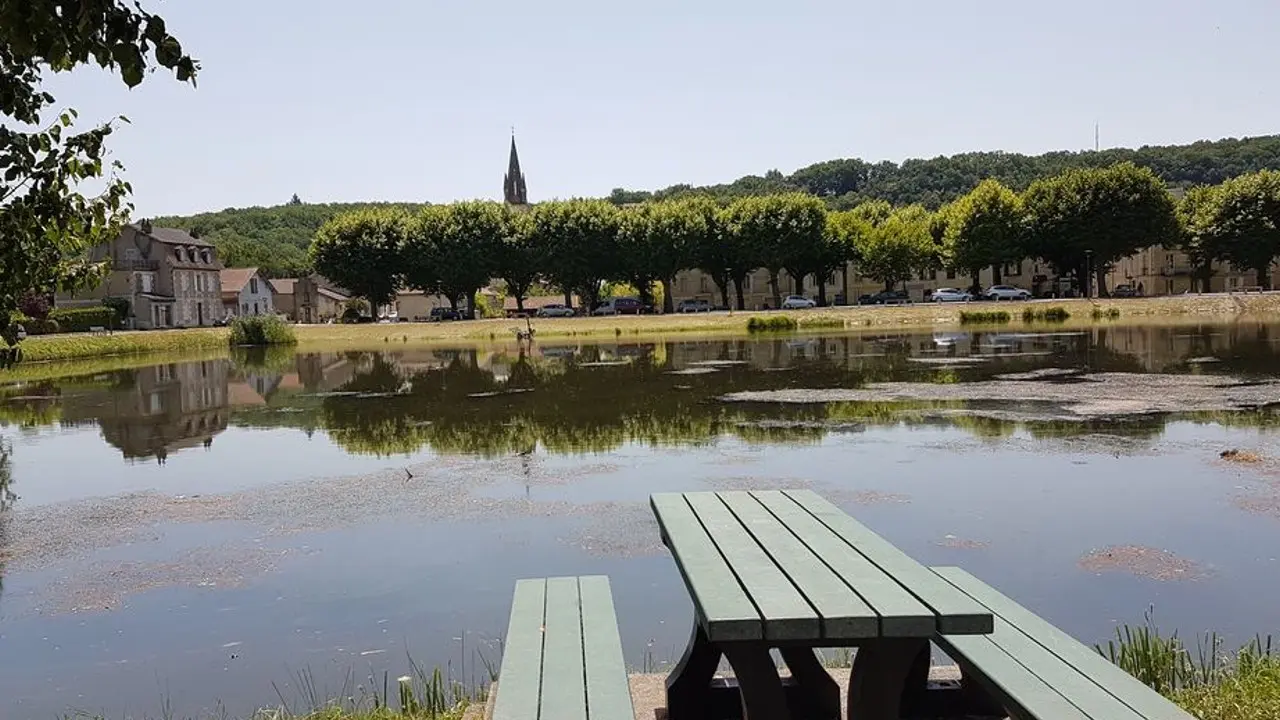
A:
[957, 613]
[901, 614]
[844, 614]
[608, 693]
[521, 682]
[564, 695]
[1103, 672]
[784, 611]
[722, 604]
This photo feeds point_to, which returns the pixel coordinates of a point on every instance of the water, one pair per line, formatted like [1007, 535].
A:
[192, 532]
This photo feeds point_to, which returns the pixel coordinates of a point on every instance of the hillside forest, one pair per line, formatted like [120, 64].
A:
[277, 238]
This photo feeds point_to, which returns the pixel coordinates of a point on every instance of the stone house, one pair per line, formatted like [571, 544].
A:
[246, 291]
[170, 278]
[310, 299]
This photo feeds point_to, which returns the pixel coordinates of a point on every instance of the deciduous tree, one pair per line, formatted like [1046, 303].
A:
[899, 246]
[520, 259]
[1096, 217]
[362, 251]
[580, 237]
[453, 250]
[1196, 237]
[984, 229]
[46, 223]
[1244, 222]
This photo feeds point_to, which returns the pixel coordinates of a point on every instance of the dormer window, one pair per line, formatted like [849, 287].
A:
[204, 255]
[177, 254]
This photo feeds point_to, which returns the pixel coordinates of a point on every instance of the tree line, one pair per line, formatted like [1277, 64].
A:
[1080, 222]
[933, 182]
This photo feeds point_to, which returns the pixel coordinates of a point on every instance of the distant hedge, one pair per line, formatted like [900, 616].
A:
[81, 319]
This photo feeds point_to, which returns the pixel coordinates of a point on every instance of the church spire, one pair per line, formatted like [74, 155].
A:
[513, 187]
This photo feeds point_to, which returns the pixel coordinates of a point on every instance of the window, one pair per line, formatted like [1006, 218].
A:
[702, 283]
[1013, 269]
[204, 255]
[255, 308]
[131, 254]
[177, 254]
[253, 285]
[951, 273]
[1233, 282]
[244, 308]
[147, 282]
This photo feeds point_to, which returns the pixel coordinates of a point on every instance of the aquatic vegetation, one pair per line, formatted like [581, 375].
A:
[775, 323]
[814, 323]
[984, 316]
[1108, 314]
[257, 330]
[1053, 314]
[1207, 682]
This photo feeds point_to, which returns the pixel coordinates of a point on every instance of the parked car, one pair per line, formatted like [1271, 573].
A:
[949, 295]
[1006, 292]
[798, 302]
[554, 310]
[885, 297]
[439, 314]
[694, 306]
[619, 306]
[1125, 291]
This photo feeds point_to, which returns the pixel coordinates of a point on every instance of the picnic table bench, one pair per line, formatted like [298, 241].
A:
[562, 659]
[788, 570]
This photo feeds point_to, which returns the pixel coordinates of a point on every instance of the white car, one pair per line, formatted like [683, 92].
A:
[554, 310]
[1006, 292]
[949, 295]
[798, 302]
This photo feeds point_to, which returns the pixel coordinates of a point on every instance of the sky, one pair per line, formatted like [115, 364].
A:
[414, 100]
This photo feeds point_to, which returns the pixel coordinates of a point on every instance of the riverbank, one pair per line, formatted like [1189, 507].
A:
[1080, 313]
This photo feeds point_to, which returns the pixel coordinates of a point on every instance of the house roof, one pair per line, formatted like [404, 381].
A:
[174, 236]
[333, 294]
[283, 286]
[234, 279]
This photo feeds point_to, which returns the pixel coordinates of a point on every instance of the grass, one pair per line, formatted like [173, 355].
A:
[773, 323]
[1105, 314]
[260, 330]
[1053, 314]
[1206, 682]
[984, 317]
[133, 342]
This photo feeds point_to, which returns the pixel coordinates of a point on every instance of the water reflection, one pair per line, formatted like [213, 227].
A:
[579, 397]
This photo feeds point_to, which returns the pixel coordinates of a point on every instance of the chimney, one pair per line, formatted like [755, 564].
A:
[145, 227]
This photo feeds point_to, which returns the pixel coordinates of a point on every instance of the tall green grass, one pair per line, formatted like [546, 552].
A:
[814, 323]
[259, 330]
[1108, 314]
[1053, 314]
[984, 317]
[773, 323]
[1205, 680]
[85, 345]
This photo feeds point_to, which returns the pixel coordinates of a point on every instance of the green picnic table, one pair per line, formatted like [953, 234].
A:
[788, 570]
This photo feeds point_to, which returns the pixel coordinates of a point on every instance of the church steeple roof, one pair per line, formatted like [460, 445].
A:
[514, 191]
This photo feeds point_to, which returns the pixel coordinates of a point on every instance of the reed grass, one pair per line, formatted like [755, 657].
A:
[1107, 314]
[773, 323]
[86, 345]
[1206, 681]
[821, 322]
[1053, 314]
[261, 330]
[984, 317]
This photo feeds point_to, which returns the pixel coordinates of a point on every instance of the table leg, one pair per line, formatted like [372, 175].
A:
[759, 683]
[881, 670]
[819, 692]
[689, 684]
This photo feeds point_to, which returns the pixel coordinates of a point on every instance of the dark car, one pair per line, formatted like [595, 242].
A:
[1125, 291]
[439, 314]
[885, 297]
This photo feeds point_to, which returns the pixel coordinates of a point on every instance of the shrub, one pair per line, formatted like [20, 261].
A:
[351, 316]
[776, 323]
[986, 316]
[80, 319]
[34, 305]
[1108, 314]
[120, 306]
[1053, 314]
[261, 330]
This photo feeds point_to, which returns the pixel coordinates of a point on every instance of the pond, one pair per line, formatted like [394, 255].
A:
[206, 533]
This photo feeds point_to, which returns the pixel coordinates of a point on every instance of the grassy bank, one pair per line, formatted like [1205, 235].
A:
[87, 345]
[1186, 308]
